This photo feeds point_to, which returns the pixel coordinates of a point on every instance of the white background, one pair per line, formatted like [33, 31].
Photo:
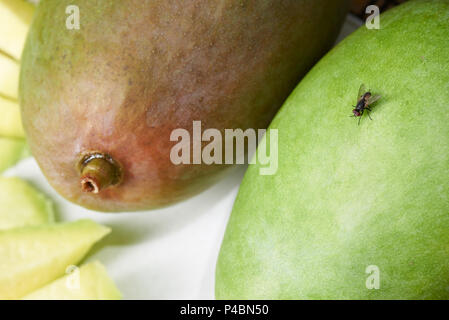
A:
[162, 254]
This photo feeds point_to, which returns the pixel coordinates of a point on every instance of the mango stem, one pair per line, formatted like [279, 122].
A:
[98, 173]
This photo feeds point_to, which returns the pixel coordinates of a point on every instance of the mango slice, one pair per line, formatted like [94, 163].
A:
[10, 120]
[89, 282]
[22, 205]
[9, 76]
[11, 151]
[31, 257]
[16, 19]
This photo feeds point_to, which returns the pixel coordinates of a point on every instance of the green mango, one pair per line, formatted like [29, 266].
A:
[354, 211]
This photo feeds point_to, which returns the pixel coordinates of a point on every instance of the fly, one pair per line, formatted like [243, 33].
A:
[364, 100]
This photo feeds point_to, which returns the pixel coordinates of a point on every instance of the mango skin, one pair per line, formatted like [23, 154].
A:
[345, 196]
[136, 70]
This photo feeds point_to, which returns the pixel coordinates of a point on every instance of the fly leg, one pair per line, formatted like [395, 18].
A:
[360, 117]
[369, 111]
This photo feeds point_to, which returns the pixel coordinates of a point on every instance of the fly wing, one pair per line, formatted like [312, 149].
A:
[373, 99]
[362, 91]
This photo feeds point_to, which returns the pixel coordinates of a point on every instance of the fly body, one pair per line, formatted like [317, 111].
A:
[364, 101]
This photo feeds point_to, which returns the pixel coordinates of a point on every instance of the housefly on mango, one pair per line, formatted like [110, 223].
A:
[364, 101]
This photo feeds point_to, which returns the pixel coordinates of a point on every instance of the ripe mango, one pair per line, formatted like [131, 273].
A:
[354, 211]
[100, 102]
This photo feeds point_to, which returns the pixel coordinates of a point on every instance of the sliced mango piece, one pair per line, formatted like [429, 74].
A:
[10, 120]
[26, 151]
[22, 205]
[11, 151]
[89, 282]
[9, 76]
[14, 24]
[31, 257]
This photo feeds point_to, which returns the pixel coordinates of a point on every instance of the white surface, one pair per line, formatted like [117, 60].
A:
[163, 254]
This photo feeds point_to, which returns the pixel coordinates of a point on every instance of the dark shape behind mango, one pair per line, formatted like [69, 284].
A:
[136, 70]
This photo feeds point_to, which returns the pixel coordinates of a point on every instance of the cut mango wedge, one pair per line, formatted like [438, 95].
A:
[10, 119]
[89, 282]
[31, 257]
[9, 76]
[11, 151]
[22, 205]
[16, 16]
